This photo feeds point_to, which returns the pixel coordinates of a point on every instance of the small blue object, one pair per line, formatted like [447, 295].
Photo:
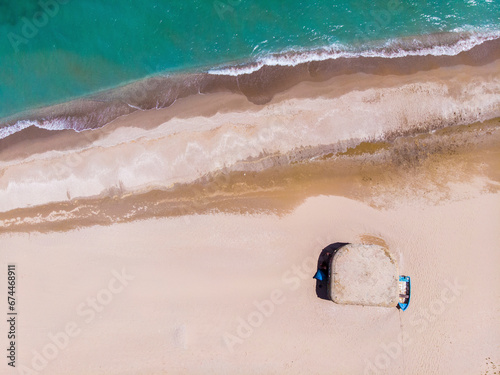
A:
[319, 276]
[405, 297]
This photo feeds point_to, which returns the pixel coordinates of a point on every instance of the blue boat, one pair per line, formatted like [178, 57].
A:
[404, 292]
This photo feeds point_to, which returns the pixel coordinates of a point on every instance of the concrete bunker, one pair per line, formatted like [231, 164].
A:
[363, 275]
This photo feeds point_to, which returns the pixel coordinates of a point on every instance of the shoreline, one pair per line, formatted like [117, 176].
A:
[40, 140]
[258, 87]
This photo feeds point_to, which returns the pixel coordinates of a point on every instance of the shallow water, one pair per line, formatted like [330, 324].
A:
[55, 50]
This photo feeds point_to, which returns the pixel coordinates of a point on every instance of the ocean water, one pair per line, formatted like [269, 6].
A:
[52, 51]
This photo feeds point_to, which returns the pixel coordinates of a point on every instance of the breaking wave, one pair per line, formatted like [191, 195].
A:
[446, 44]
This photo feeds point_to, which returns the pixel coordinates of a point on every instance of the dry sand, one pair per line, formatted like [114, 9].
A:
[196, 278]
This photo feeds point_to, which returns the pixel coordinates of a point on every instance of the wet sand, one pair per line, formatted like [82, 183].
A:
[203, 135]
[427, 168]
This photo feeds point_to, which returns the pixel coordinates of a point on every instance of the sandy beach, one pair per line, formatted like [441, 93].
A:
[195, 287]
[184, 240]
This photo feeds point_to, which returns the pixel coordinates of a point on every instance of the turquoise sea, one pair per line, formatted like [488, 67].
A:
[52, 51]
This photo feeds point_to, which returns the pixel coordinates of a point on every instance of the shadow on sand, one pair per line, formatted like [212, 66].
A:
[324, 261]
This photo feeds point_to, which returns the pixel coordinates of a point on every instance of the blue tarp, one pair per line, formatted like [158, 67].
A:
[319, 276]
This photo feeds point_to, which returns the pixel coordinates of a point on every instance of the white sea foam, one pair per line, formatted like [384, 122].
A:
[55, 124]
[390, 49]
[17, 127]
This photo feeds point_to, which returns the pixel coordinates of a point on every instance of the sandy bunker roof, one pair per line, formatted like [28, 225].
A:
[364, 275]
